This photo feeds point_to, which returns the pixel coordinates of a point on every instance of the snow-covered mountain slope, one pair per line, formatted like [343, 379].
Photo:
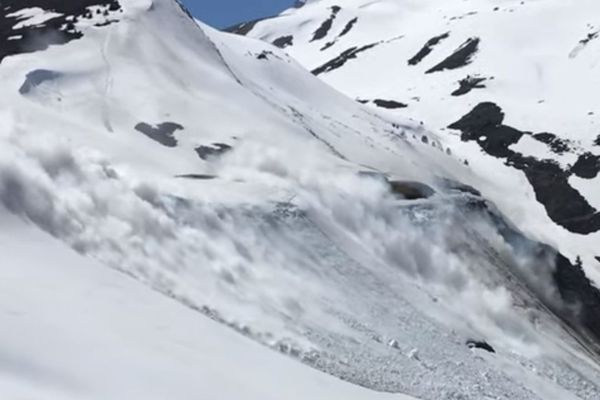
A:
[73, 329]
[221, 174]
[521, 76]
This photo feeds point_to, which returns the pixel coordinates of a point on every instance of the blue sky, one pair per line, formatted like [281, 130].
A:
[224, 13]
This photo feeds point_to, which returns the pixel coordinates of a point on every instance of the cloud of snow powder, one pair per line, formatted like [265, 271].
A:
[272, 266]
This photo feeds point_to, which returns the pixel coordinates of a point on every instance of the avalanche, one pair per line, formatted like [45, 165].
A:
[178, 205]
[446, 59]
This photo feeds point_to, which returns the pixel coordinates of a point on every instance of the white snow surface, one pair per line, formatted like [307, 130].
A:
[541, 59]
[294, 242]
[32, 16]
[73, 329]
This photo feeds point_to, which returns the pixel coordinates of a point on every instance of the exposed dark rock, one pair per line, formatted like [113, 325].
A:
[577, 302]
[391, 104]
[214, 150]
[469, 14]
[459, 187]
[597, 141]
[342, 59]
[323, 30]
[344, 32]
[163, 133]
[411, 190]
[587, 166]
[264, 55]
[328, 45]
[499, 139]
[427, 48]
[563, 204]
[201, 177]
[348, 27]
[583, 43]
[480, 344]
[461, 56]
[105, 23]
[597, 259]
[284, 41]
[579, 292]
[484, 125]
[591, 36]
[468, 84]
[484, 115]
[56, 31]
[406, 190]
[556, 144]
[36, 78]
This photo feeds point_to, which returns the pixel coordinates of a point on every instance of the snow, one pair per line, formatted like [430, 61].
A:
[32, 16]
[591, 191]
[545, 80]
[520, 81]
[73, 329]
[532, 147]
[291, 244]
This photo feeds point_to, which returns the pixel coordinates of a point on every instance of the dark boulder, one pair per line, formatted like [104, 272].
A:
[480, 344]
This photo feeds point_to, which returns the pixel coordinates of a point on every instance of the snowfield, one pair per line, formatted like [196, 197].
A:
[187, 213]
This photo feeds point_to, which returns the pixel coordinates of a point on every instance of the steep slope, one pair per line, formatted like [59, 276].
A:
[106, 336]
[221, 174]
[526, 92]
